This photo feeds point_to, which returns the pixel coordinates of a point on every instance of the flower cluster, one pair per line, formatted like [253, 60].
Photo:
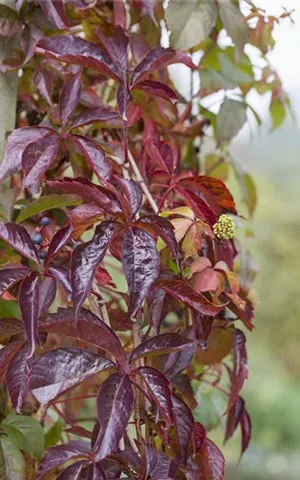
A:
[224, 228]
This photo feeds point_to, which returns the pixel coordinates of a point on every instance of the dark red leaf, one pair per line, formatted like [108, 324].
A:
[199, 435]
[184, 425]
[163, 228]
[95, 156]
[89, 329]
[87, 191]
[124, 97]
[164, 343]
[12, 274]
[234, 417]
[45, 158]
[47, 293]
[62, 275]
[133, 194]
[34, 151]
[246, 431]
[140, 261]
[72, 472]
[200, 208]
[57, 456]
[18, 376]
[85, 260]
[75, 50]
[58, 370]
[160, 393]
[202, 325]
[214, 190]
[9, 327]
[16, 143]
[69, 97]
[157, 89]
[157, 464]
[94, 115]
[44, 82]
[6, 355]
[212, 461]
[240, 367]
[30, 36]
[18, 238]
[54, 11]
[30, 307]
[114, 405]
[243, 308]
[156, 300]
[59, 240]
[183, 292]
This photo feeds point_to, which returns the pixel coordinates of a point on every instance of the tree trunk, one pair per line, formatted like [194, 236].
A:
[8, 89]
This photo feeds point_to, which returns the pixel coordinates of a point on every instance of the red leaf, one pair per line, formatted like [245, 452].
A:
[157, 464]
[55, 12]
[184, 425]
[87, 191]
[157, 89]
[18, 238]
[161, 227]
[234, 417]
[94, 115]
[240, 367]
[212, 461]
[44, 82]
[84, 217]
[183, 292]
[246, 431]
[30, 36]
[89, 329]
[75, 50]
[62, 275]
[199, 435]
[200, 208]
[11, 274]
[47, 293]
[69, 97]
[102, 277]
[114, 405]
[160, 344]
[45, 152]
[85, 260]
[18, 376]
[59, 240]
[6, 354]
[16, 143]
[57, 456]
[160, 393]
[140, 261]
[94, 154]
[58, 370]
[29, 305]
[133, 194]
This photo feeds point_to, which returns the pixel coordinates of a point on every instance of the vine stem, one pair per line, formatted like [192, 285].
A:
[141, 181]
[71, 399]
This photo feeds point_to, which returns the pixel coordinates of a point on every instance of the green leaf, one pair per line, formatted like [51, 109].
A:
[234, 23]
[211, 81]
[211, 406]
[9, 309]
[26, 433]
[190, 22]
[231, 118]
[247, 185]
[8, 197]
[12, 465]
[49, 202]
[277, 112]
[52, 437]
[231, 72]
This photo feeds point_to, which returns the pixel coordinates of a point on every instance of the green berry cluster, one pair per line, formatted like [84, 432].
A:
[224, 228]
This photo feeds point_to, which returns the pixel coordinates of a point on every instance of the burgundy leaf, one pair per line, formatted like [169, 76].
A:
[114, 405]
[18, 238]
[54, 10]
[75, 50]
[34, 151]
[94, 115]
[234, 417]
[158, 58]
[85, 260]
[62, 275]
[69, 97]
[58, 370]
[87, 191]
[9, 327]
[163, 343]
[10, 275]
[183, 292]
[140, 261]
[80, 431]
[199, 435]
[178, 361]
[133, 194]
[162, 227]
[6, 354]
[242, 307]
[47, 293]
[157, 89]
[30, 307]
[160, 393]
[156, 300]
[200, 208]
[44, 82]
[16, 143]
[43, 162]
[202, 325]
[59, 240]
[240, 367]
[72, 472]
[157, 464]
[211, 461]
[18, 377]
[89, 329]
[30, 36]
[246, 431]
[124, 97]
[184, 425]
[57, 456]
[95, 156]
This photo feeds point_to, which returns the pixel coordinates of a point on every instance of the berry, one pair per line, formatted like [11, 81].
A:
[42, 255]
[37, 238]
[224, 228]
[45, 221]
